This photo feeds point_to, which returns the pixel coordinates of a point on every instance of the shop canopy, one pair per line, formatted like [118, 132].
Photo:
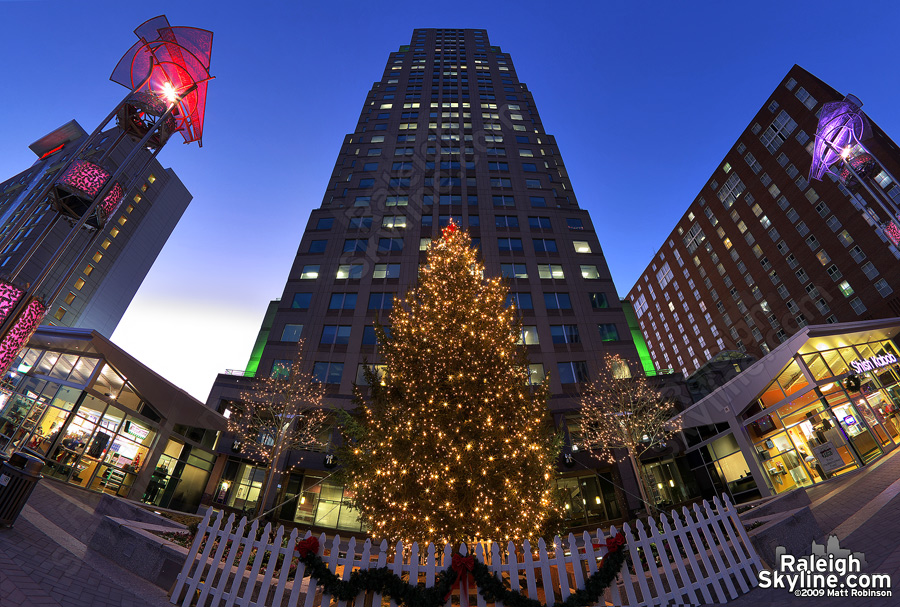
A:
[731, 399]
[173, 403]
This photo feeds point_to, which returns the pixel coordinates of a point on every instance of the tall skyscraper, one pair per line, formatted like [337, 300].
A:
[763, 251]
[448, 133]
[109, 274]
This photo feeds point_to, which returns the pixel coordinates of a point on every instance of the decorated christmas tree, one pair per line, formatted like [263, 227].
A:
[452, 443]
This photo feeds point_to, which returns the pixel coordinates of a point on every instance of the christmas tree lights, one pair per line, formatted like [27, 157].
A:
[452, 444]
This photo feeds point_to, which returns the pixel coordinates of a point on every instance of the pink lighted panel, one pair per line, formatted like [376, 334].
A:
[892, 232]
[111, 202]
[9, 297]
[20, 333]
[84, 177]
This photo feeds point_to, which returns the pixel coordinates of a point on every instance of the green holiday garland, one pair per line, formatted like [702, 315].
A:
[490, 587]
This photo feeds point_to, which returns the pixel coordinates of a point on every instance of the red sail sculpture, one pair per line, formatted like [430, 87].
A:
[169, 60]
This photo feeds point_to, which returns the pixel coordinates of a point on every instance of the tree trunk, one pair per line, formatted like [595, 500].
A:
[270, 477]
[640, 480]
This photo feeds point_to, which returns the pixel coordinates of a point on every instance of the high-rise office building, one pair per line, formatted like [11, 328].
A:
[448, 133]
[109, 274]
[763, 250]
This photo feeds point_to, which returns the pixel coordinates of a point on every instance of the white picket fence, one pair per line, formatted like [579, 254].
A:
[703, 556]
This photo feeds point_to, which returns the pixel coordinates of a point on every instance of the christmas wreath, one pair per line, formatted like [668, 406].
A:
[490, 587]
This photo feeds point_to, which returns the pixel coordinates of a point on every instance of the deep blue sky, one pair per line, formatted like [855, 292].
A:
[655, 94]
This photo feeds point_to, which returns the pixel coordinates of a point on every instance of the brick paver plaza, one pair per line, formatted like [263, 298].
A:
[44, 559]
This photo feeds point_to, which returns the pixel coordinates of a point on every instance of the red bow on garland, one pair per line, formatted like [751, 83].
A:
[308, 546]
[614, 543]
[463, 566]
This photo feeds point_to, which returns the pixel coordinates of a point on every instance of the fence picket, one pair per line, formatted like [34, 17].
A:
[512, 566]
[562, 576]
[640, 576]
[382, 559]
[223, 536]
[397, 565]
[236, 541]
[647, 544]
[751, 564]
[686, 584]
[710, 575]
[273, 547]
[479, 555]
[731, 560]
[183, 577]
[288, 552]
[703, 525]
[627, 578]
[332, 563]
[445, 564]
[246, 599]
[699, 576]
[497, 566]
[575, 560]
[247, 543]
[204, 559]
[294, 599]
[311, 591]
[546, 577]
[528, 562]
[216, 575]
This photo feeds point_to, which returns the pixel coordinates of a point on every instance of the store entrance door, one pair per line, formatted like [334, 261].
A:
[857, 430]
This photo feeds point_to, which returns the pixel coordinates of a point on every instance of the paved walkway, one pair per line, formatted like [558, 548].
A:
[44, 560]
[863, 510]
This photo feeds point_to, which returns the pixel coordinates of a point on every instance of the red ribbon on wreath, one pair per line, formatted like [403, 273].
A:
[614, 543]
[463, 566]
[308, 546]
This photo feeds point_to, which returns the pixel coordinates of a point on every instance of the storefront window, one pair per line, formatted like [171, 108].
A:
[792, 379]
[326, 504]
[666, 484]
[589, 499]
[818, 367]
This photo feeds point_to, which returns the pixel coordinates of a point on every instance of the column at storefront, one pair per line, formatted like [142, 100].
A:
[141, 484]
[756, 472]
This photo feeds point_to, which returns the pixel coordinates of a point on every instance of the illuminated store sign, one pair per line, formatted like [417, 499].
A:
[873, 362]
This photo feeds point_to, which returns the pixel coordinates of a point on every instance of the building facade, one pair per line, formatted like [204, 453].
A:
[763, 251]
[109, 274]
[823, 403]
[448, 133]
[101, 420]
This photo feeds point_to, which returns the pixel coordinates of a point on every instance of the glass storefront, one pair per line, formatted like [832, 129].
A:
[589, 499]
[91, 428]
[806, 431]
[180, 477]
[325, 503]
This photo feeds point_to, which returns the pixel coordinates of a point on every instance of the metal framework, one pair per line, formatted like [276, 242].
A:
[166, 73]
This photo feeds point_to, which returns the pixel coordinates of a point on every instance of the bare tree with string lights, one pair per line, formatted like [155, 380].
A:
[622, 417]
[280, 412]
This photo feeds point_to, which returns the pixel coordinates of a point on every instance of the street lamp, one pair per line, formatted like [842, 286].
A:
[839, 150]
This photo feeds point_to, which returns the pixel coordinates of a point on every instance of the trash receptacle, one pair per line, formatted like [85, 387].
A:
[18, 478]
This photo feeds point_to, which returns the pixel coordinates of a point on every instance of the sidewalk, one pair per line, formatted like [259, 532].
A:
[44, 560]
[863, 510]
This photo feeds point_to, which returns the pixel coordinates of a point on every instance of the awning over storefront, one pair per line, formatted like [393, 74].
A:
[731, 399]
[171, 401]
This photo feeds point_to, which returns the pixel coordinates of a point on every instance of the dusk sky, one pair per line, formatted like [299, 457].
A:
[661, 92]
